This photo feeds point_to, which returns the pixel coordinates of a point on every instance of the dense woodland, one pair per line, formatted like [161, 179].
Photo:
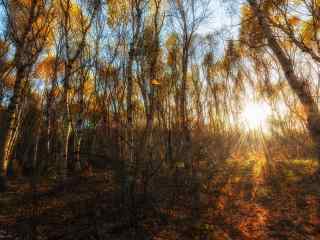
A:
[136, 119]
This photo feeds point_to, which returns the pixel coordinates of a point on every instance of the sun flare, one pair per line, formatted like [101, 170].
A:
[255, 115]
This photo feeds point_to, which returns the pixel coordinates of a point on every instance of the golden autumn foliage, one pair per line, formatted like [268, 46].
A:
[172, 48]
[154, 6]
[309, 32]
[306, 26]
[118, 11]
[172, 41]
[208, 62]
[300, 111]
[250, 31]
[301, 21]
[107, 71]
[88, 87]
[9, 81]
[70, 9]
[24, 13]
[48, 67]
[56, 92]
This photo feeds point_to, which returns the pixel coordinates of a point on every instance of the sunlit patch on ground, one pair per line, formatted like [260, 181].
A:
[251, 207]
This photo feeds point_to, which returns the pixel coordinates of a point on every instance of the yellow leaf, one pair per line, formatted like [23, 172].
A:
[155, 82]
[294, 20]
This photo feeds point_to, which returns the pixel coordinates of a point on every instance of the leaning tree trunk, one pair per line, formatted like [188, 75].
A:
[299, 87]
[10, 131]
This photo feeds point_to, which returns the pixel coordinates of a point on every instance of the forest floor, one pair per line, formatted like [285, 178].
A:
[264, 203]
[241, 201]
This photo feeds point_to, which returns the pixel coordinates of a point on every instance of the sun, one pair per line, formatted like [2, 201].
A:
[255, 116]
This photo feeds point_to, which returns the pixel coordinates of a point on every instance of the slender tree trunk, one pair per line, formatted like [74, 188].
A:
[129, 102]
[78, 147]
[64, 163]
[78, 150]
[67, 126]
[48, 137]
[35, 171]
[183, 108]
[299, 87]
[1, 91]
[150, 108]
[66, 98]
[136, 28]
[48, 114]
[184, 87]
[79, 129]
[48, 133]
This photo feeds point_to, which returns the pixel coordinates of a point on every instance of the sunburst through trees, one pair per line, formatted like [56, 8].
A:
[159, 119]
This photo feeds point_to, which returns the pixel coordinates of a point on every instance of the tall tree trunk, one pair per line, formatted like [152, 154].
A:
[299, 87]
[150, 108]
[129, 102]
[124, 163]
[67, 123]
[66, 98]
